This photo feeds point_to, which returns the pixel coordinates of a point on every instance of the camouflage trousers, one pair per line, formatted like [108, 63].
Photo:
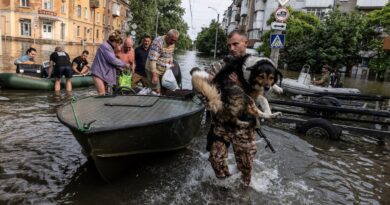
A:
[243, 141]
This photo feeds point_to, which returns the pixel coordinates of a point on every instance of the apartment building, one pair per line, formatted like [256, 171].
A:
[62, 21]
[252, 15]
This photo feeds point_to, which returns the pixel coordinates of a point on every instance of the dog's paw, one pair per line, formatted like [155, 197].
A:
[276, 115]
[277, 89]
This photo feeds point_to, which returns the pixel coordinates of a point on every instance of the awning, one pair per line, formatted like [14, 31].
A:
[49, 18]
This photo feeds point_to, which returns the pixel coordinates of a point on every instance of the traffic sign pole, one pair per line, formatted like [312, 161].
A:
[275, 52]
[281, 15]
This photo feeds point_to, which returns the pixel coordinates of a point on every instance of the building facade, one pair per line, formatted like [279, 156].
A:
[62, 21]
[252, 15]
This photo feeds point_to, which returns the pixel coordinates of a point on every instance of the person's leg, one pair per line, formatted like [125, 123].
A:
[58, 72]
[154, 87]
[244, 147]
[218, 159]
[100, 85]
[57, 84]
[135, 79]
[144, 81]
[68, 72]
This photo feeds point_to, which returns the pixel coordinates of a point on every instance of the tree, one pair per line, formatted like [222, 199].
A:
[378, 21]
[205, 41]
[340, 38]
[170, 16]
[299, 48]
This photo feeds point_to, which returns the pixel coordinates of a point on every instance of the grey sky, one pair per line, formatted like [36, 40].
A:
[201, 14]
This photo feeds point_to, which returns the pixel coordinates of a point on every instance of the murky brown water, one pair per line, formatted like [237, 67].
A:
[41, 162]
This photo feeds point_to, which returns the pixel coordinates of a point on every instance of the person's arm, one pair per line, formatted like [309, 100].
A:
[110, 57]
[74, 67]
[50, 69]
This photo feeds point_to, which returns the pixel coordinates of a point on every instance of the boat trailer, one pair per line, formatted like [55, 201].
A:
[327, 118]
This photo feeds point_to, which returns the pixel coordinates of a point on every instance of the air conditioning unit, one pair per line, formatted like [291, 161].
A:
[94, 3]
[116, 10]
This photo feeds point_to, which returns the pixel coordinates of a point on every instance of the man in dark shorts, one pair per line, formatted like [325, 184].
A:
[80, 64]
[60, 60]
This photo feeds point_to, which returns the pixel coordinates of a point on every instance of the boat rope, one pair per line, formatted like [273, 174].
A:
[86, 126]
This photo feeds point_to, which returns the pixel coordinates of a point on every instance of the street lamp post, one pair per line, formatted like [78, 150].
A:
[216, 32]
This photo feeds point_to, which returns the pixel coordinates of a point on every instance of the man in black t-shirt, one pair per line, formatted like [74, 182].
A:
[141, 54]
[80, 64]
[60, 60]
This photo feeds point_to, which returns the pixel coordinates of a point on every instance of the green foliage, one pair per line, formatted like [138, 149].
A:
[381, 61]
[205, 41]
[339, 39]
[170, 16]
[336, 40]
[299, 48]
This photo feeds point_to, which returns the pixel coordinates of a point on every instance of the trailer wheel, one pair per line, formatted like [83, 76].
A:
[320, 128]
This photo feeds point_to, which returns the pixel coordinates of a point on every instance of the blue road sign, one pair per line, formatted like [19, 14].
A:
[277, 40]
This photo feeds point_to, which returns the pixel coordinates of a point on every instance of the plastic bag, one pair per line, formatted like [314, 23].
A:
[168, 80]
[124, 79]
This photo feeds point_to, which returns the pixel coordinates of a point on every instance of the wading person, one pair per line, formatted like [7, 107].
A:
[222, 134]
[141, 54]
[60, 61]
[105, 63]
[160, 57]
[80, 64]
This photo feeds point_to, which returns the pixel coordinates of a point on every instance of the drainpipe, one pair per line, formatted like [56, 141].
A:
[1, 44]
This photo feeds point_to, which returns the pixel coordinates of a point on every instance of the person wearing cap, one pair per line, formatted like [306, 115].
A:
[325, 78]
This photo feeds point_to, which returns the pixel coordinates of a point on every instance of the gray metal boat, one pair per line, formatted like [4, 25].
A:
[109, 128]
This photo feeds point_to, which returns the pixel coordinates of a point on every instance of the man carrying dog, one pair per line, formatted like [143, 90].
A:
[222, 134]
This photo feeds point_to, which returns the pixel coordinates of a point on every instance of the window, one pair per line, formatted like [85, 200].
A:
[48, 4]
[85, 12]
[98, 17]
[78, 11]
[320, 13]
[24, 3]
[85, 32]
[104, 19]
[25, 27]
[97, 34]
[63, 8]
[78, 30]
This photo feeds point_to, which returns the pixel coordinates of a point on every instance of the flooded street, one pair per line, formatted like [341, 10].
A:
[42, 163]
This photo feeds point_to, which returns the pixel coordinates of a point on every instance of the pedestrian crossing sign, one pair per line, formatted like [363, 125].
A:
[277, 40]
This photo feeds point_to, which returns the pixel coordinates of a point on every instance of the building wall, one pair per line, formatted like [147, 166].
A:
[59, 21]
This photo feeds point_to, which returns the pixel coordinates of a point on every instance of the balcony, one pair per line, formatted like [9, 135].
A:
[319, 3]
[371, 3]
[94, 3]
[244, 8]
[116, 10]
[238, 3]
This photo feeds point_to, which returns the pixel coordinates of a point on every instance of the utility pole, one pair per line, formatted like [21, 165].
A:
[156, 19]
[216, 32]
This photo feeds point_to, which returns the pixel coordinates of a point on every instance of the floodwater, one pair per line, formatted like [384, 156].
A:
[41, 162]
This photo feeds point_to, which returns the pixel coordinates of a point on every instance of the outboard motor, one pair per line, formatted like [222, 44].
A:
[177, 73]
[45, 69]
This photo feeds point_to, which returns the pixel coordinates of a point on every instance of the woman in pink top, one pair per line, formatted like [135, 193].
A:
[126, 53]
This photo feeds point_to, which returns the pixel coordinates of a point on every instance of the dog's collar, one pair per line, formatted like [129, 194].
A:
[251, 61]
